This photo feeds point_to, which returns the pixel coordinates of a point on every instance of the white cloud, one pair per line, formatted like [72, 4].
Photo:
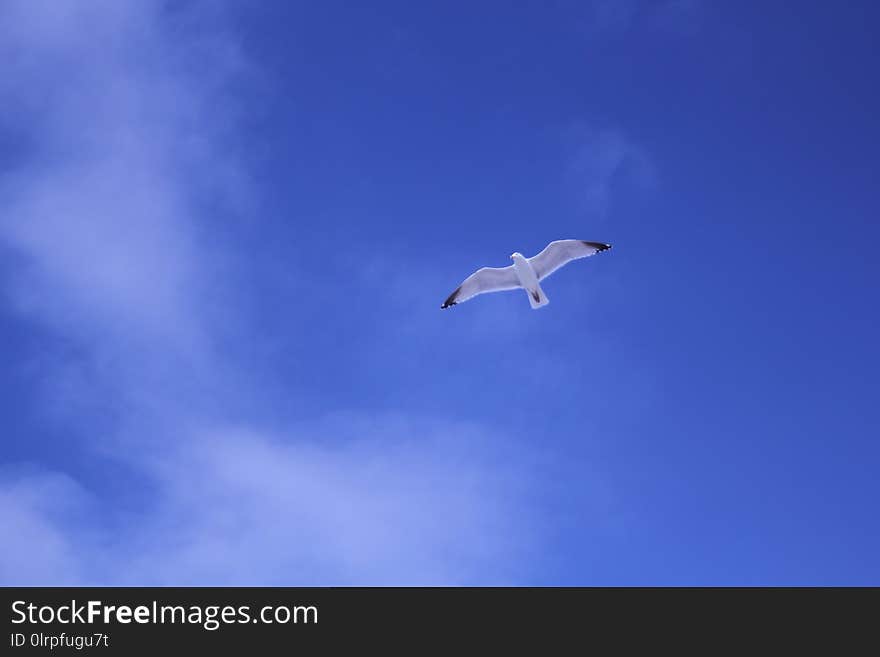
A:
[104, 211]
[397, 502]
[109, 218]
[402, 502]
[38, 546]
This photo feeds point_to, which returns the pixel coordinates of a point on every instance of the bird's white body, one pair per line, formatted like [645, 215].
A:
[525, 272]
[528, 280]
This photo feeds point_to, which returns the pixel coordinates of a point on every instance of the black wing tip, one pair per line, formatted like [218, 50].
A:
[450, 301]
[599, 246]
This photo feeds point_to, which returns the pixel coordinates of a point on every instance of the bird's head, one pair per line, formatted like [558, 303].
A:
[515, 255]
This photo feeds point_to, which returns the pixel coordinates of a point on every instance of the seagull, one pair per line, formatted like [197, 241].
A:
[525, 272]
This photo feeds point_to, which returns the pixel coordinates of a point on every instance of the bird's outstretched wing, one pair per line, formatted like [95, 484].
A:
[561, 252]
[487, 279]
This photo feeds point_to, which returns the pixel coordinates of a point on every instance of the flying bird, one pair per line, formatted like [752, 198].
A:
[525, 272]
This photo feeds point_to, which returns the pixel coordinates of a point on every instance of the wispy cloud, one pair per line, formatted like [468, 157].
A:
[354, 500]
[38, 511]
[612, 14]
[671, 16]
[112, 215]
[123, 151]
[602, 159]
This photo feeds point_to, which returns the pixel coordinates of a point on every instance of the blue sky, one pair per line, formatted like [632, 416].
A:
[227, 231]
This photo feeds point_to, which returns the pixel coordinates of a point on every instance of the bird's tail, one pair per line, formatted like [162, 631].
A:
[537, 298]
